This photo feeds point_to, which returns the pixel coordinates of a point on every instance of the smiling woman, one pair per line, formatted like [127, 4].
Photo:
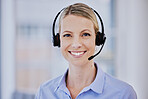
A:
[78, 28]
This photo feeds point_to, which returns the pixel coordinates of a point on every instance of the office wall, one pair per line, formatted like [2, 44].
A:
[7, 51]
[132, 47]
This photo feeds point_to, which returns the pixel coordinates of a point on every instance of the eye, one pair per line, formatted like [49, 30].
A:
[67, 35]
[86, 34]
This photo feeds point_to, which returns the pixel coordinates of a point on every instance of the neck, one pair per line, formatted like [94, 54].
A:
[81, 76]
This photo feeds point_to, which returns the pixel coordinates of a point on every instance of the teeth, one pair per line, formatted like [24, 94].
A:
[77, 54]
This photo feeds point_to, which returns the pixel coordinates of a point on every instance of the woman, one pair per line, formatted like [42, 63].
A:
[84, 79]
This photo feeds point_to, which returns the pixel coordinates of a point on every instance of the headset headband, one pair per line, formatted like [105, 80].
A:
[53, 27]
[100, 36]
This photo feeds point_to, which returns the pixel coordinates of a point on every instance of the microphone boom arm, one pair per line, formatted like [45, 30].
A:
[91, 57]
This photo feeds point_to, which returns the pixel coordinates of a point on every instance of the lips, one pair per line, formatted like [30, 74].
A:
[77, 54]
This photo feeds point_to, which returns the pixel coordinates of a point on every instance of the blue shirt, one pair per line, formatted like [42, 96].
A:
[103, 87]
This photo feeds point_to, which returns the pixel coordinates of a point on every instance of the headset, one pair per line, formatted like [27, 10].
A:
[100, 36]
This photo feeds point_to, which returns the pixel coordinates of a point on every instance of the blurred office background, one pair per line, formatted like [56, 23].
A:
[27, 57]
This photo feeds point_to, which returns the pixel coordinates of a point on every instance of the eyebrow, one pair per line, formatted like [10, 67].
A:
[80, 32]
[67, 31]
[86, 30]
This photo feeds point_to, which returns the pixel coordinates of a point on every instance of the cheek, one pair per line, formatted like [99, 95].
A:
[90, 43]
[64, 45]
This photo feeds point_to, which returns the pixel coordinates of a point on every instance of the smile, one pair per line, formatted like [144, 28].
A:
[77, 54]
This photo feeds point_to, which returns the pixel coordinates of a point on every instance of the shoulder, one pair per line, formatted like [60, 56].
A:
[51, 84]
[47, 89]
[110, 80]
[118, 86]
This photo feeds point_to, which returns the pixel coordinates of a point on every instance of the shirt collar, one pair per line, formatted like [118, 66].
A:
[62, 82]
[97, 85]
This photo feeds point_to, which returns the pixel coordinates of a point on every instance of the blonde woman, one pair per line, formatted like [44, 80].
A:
[83, 79]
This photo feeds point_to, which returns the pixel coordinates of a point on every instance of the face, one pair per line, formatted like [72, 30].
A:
[77, 39]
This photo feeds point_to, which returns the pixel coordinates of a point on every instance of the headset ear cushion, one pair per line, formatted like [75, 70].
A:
[99, 38]
[56, 40]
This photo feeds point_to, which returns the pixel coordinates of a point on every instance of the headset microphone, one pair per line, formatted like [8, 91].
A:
[91, 57]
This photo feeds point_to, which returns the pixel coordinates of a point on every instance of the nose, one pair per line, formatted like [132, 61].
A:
[76, 43]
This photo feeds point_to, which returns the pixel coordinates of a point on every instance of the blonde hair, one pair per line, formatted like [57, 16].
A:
[80, 9]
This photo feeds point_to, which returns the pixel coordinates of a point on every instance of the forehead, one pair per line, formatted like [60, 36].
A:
[73, 22]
